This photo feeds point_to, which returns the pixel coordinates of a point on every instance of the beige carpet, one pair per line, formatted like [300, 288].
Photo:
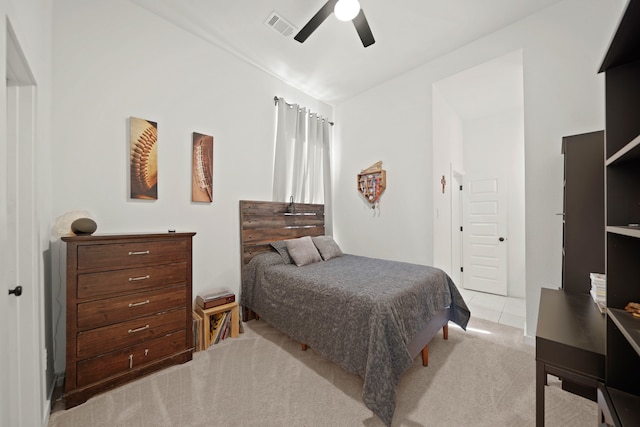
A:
[482, 377]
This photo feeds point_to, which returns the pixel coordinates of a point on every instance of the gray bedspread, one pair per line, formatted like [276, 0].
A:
[357, 312]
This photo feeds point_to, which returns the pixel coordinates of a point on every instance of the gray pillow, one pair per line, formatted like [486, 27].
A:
[281, 247]
[303, 251]
[327, 246]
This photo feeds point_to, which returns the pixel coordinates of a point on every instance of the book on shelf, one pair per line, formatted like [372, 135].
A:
[601, 303]
[226, 326]
[599, 290]
[215, 325]
[598, 279]
[221, 328]
[220, 323]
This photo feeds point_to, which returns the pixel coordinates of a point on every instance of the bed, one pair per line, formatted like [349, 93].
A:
[370, 316]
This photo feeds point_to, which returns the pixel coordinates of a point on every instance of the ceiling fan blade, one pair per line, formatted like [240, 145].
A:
[316, 20]
[363, 29]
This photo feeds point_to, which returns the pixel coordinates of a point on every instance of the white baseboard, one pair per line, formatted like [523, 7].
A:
[58, 381]
[529, 340]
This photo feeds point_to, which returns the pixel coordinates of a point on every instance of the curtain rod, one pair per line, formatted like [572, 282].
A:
[276, 99]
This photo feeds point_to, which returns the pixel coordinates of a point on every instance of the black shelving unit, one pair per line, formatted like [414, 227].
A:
[582, 236]
[619, 396]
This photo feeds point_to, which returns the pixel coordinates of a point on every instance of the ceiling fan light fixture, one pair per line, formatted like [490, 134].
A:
[346, 10]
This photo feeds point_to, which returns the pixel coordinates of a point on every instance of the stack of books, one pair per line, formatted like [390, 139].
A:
[599, 290]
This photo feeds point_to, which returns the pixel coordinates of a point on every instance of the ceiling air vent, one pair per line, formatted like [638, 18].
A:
[280, 24]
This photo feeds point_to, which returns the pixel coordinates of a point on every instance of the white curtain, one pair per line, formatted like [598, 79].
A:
[302, 153]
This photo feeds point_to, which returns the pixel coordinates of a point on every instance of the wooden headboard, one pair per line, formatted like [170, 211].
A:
[264, 222]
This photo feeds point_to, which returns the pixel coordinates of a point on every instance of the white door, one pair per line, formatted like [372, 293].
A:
[7, 279]
[484, 239]
[21, 388]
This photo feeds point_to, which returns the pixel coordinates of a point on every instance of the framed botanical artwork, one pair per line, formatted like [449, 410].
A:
[143, 148]
[202, 168]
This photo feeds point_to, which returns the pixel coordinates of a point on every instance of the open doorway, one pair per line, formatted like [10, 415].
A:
[478, 143]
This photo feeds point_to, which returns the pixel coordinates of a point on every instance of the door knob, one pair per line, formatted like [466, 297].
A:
[501, 239]
[17, 291]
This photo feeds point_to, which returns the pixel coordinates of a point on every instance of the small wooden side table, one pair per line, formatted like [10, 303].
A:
[205, 313]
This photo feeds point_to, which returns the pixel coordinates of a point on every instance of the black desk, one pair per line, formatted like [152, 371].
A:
[570, 343]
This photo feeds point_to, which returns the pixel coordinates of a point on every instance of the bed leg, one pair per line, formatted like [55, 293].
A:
[304, 346]
[248, 314]
[445, 331]
[425, 356]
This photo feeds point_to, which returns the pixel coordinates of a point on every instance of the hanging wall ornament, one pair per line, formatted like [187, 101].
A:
[372, 182]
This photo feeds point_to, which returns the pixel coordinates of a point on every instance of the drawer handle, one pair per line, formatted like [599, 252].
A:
[130, 361]
[131, 279]
[139, 253]
[135, 304]
[138, 329]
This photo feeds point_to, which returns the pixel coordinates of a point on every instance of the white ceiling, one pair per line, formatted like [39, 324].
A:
[332, 65]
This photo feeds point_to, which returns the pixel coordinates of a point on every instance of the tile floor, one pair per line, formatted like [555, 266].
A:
[496, 308]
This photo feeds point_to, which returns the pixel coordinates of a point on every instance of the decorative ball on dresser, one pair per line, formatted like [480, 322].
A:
[83, 226]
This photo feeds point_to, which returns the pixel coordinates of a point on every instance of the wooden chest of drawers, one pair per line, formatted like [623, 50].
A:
[128, 309]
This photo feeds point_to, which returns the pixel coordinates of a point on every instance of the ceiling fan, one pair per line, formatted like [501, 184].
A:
[345, 10]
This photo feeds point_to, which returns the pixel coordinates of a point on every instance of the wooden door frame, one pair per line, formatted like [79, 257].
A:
[457, 219]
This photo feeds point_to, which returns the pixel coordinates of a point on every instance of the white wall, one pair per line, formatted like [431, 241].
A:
[448, 156]
[31, 22]
[113, 60]
[562, 49]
